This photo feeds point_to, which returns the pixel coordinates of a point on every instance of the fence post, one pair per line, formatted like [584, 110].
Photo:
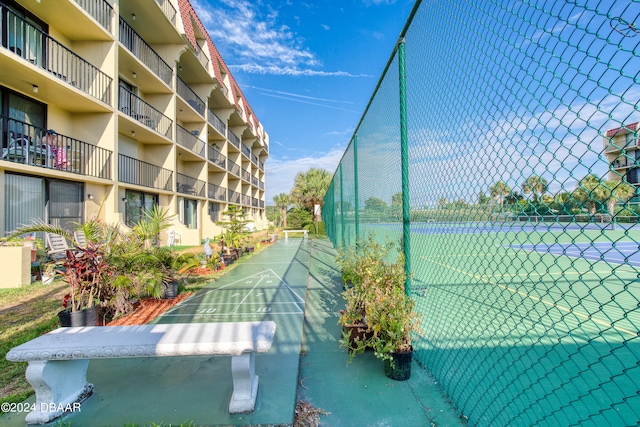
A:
[404, 159]
[341, 208]
[355, 185]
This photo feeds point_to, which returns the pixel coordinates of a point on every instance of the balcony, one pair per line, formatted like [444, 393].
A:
[261, 165]
[246, 175]
[190, 141]
[216, 157]
[136, 108]
[234, 139]
[217, 193]
[44, 52]
[168, 10]
[261, 185]
[233, 168]
[617, 146]
[624, 164]
[254, 159]
[190, 96]
[145, 53]
[261, 204]
[246, 200]
[202, 57]
[100, 10]
[233, 197]
[22, 143]
[254, 181]
[189, 185]
[245, 150]
[254, 202]
[137, 172]
[217, 123]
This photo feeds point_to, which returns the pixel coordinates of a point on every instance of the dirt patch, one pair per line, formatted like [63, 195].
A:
[148, 309]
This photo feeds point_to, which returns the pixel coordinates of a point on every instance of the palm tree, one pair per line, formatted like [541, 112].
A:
[535, 185]
[590, 190]
[282, 201]
[310, 187]
[499, 190]
[618, 191]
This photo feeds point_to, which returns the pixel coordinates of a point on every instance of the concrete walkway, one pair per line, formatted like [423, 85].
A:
[296, 284]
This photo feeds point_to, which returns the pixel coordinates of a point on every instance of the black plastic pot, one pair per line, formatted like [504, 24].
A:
[84, 317]
[170, 290]
[400, 370]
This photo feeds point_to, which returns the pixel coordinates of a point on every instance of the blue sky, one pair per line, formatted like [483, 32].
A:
[307, 69]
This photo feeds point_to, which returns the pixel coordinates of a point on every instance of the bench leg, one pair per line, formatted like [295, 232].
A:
[60, 386]
[245, 383]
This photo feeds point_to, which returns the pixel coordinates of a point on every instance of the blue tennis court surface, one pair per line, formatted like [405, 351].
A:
[614, 253]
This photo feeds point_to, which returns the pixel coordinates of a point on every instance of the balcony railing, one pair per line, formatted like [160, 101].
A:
[613, 146]
[217, 193]
[190, 96]
[216, 157]
[45, 52]
[254, 202]
[145, 53]
[261, 204]
[254, 159]
[245, 150]
[246, 175]
[233, 197]
[135, 107]
[137, 172]
[254, 181]
[234, 139]
[168, 10]
[233, 168]
[190, 141]
[189, 185]
[261, 165]
[198, 51]
[217, 123]
[261, 185]
[621, 164]
[24, 143]
[100, 10]
[246, 200]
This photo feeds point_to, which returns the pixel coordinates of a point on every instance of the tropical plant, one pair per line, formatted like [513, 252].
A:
[310, 187]
[535, 185]
[234, 225]
[617, 191]
[282, 201]
[499, 191]
[592, 192]
[155, 221]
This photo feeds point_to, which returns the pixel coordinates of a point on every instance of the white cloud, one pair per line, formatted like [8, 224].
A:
[290, 71]
[326, 27]
[281, 172]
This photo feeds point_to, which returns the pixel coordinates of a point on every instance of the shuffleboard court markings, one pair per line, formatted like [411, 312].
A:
[249, 297]
[532, 297]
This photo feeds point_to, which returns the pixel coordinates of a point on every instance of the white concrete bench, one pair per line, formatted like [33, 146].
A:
[286, 233]
[58, 361]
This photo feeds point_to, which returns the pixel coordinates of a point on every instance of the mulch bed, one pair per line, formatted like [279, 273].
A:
[148, 309]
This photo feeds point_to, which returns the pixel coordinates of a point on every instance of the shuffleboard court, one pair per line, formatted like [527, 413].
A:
[245, 299]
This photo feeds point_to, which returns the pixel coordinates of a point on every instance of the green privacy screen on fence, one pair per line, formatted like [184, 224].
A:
[521, 213]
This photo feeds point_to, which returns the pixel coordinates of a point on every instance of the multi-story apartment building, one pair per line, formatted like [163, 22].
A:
[111, 107]
[623, 154]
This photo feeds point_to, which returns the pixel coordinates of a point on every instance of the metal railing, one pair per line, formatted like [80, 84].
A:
[233, 167]
[254, 159]
[217, 193]
[261, 165]
[190, 96]
[27, 144]
[261, 185]
[136, 108]
[43, 51]
[245, 175]
[261, 204]
[168, 10]
[186, 184]
[216, 122]
[100, 10]
[254, 181]
[246, 200]
[233, 197]
[137, 172]
[145, 53]
[245, 150]
[216, 157]
[254, 202]
[190, 141]
[234, 139]
[198, 51]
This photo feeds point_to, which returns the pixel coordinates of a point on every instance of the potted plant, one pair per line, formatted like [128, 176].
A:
[378, 313]
[49, 272]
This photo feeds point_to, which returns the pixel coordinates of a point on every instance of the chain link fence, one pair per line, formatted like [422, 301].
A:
[500, 150]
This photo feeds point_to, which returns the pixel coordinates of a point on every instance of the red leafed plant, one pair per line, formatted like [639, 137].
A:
[88, 276]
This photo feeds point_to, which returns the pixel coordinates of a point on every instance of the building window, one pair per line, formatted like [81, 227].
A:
[22, 117]
[214, 211]
[136, 205]
[188, 212]
[29, 199]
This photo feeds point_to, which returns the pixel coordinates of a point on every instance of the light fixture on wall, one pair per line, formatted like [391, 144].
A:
[133, 133]
[135, 75]
[90, 196]
[124, 199]
[133, 16]
[180, 68]
[35, 88]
